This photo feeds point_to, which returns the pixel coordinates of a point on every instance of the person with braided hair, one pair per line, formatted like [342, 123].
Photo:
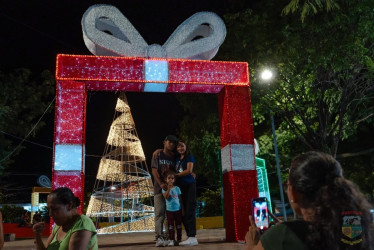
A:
[335, 214]
[72, 230]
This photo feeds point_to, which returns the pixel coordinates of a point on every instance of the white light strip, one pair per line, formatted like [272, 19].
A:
[236, 157]
[68, 157]
[156, 70]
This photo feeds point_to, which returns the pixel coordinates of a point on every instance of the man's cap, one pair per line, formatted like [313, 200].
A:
[172, 138]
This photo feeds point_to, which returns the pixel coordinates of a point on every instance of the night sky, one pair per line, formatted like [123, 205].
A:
[34, 32]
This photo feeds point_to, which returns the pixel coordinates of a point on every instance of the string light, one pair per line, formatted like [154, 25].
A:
[262, 180]
[77, 74]
[123, 180]
[139, 225]
[237, 149]
[71, 179]
[104, 69]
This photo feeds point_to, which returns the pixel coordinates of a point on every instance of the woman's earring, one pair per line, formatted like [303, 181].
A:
[291, 200]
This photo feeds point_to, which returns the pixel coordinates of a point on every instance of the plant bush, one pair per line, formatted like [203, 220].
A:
[212, 200]
[12, 214]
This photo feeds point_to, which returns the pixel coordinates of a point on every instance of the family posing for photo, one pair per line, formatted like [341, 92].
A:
[174, 193]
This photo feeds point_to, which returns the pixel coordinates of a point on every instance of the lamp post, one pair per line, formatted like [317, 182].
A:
[267, 75]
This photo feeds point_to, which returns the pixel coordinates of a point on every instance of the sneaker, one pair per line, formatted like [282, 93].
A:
[167, 242]
[160, 242]
[171, 243]
[183, 243]
[191, 241]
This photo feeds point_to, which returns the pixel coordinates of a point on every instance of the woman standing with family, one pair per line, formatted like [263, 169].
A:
[185, 163]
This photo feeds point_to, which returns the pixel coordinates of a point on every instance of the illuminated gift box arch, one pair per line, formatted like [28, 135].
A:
[77, 74]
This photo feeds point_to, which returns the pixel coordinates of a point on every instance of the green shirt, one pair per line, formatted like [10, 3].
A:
[281, 237]
[82, 223]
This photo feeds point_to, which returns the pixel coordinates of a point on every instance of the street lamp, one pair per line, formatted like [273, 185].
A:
[267, 75]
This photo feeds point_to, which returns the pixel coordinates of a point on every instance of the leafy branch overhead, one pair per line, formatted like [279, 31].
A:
[322, 95]
[308, 7]
[324, 81]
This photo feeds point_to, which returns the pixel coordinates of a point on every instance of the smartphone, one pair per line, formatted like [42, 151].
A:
[260, 213]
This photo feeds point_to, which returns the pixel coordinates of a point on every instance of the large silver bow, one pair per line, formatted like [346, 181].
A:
[107, 32]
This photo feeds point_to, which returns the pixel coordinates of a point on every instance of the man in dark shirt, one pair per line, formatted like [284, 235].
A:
[163, 160]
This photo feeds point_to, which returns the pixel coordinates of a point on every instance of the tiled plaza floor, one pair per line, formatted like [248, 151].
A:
[208, 239]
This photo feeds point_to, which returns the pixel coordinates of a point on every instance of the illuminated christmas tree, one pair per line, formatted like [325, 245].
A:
[123, 190]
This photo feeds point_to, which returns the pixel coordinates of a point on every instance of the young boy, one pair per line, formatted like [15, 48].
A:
[174, 208]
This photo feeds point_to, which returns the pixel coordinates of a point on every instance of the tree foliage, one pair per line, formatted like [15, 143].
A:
[24, 97]
[200, 128]
[324, 69]
[323, 88]
[212, 205]
[308, 7]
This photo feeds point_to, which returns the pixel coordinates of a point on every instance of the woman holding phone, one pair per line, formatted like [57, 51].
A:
[335, 214]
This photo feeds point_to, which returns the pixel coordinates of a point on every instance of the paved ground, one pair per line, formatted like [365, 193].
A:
[208, 239]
